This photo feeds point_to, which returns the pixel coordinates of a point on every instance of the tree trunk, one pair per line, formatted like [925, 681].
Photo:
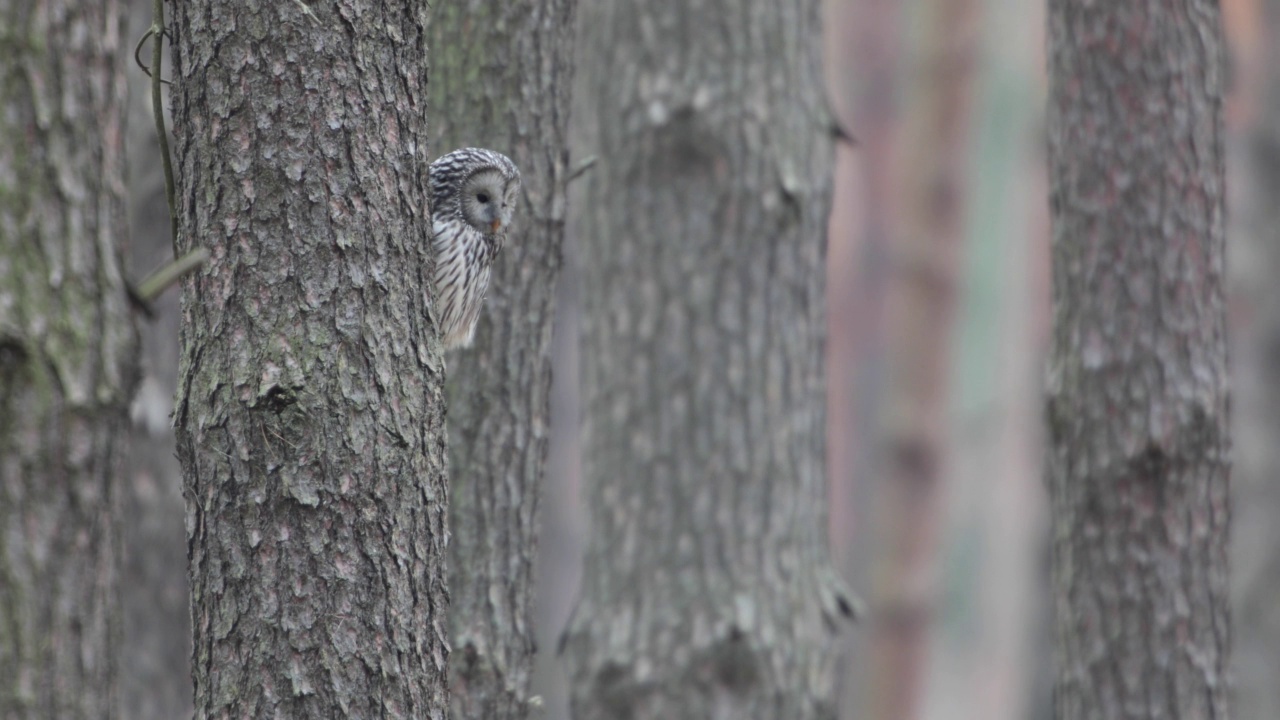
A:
[993, 586]
[870, 42]
[706, 590]
[1137, 397]
[1254, 263]
[310, 400]
[68, 352]
[499, 389]
[921, 305]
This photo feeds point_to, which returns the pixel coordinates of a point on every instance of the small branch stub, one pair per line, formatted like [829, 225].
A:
[151, 288]
[156, 283]
[582, 168]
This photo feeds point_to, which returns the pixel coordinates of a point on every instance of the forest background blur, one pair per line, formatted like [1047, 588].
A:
[947, 181]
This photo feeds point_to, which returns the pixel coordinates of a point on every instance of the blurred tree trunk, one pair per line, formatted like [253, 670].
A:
[500, 388]
[921, 307]
[68, 354]
[155, 649]
[869, 43]
[1137, 397]
[310, 402]
[989, 574]
[706, 588]
[1255, 265]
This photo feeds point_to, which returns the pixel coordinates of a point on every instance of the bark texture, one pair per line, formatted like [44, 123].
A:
[501, 75]
[310, 399]
[1137, 396]
[68, 352]
[703, 234]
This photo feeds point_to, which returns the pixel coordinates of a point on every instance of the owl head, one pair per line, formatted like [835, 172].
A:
[478, 186]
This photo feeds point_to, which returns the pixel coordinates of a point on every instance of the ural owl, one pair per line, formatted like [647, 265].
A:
[473, 194]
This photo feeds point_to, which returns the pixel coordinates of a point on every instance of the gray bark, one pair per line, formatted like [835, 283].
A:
[310, 400]
[68, 353]
[706, 589]
[485, 95]
[1137, 396]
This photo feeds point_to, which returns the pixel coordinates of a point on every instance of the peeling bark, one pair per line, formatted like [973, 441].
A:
[1137, 396]
[501, 75]
[310, 400]
[68, 354]
[706, 590]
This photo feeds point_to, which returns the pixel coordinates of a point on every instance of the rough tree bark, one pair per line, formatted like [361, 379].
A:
[68, 352]
[706, 590]
[485, 95]
[310, 400]
[1137, 396]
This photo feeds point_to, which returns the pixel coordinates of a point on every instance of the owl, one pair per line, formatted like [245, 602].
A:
[473, 194]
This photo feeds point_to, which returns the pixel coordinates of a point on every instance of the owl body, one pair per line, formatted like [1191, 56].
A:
[473, 195]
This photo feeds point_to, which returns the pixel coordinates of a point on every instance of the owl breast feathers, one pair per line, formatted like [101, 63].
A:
[473, 195]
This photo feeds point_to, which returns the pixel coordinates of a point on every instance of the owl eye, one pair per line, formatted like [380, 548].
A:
[483, 197]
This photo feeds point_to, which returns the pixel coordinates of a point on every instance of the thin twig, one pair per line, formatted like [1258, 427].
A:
[151, 288]
[157, 108]
[584, 166]
[138, 49]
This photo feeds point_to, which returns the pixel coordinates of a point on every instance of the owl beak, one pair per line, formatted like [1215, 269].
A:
[495, 226]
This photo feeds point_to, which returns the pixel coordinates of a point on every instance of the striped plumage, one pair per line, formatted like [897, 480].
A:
[473, 194]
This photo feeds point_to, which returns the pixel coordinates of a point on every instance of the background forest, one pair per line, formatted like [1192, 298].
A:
[938, 321]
